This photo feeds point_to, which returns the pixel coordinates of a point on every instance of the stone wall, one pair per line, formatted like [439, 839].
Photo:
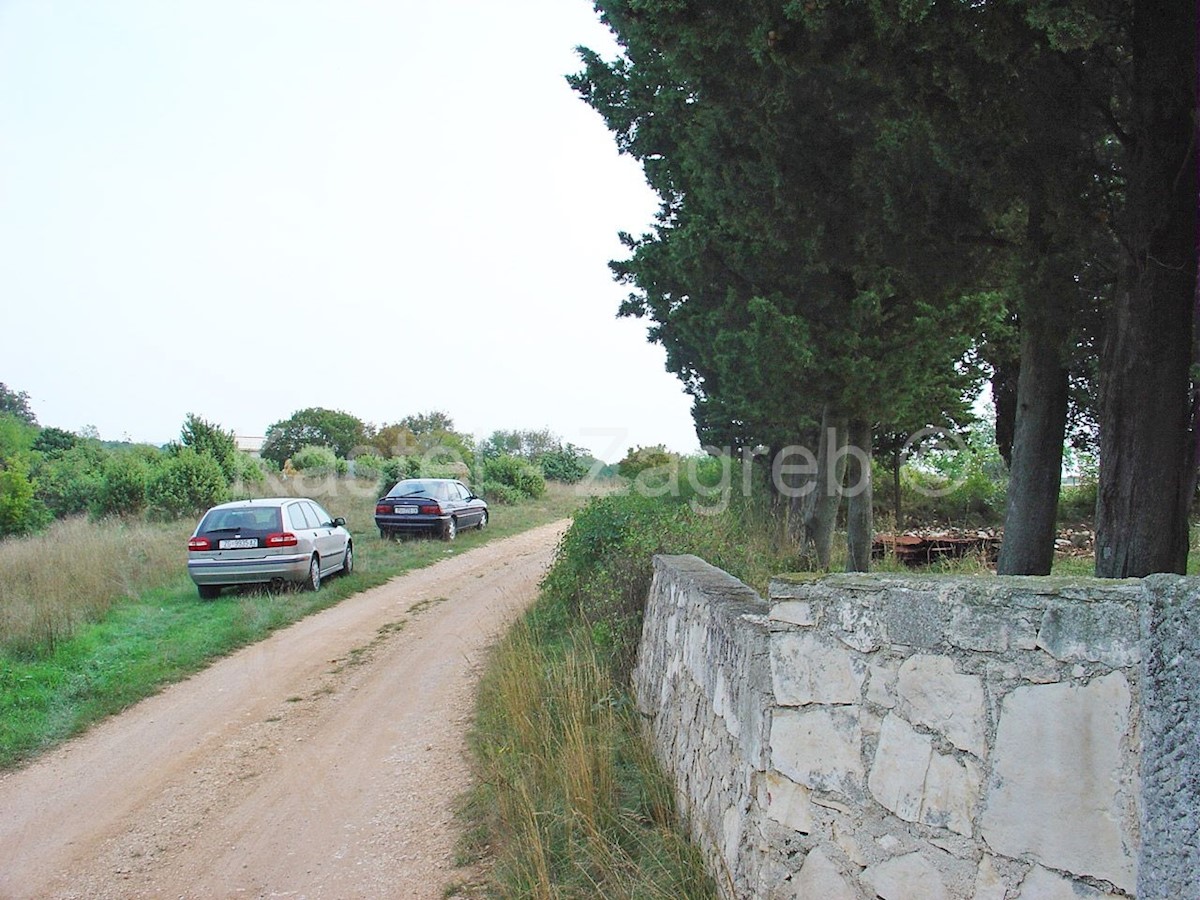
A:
[921, 737]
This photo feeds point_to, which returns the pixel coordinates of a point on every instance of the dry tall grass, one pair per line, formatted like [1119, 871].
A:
[573, 784]
[73, 572]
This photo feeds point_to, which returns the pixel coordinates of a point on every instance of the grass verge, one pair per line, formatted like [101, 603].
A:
[569, 801]
[104, 641]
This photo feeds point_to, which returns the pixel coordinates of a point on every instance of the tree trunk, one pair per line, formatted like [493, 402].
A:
[860, 530]
[1004, 397]
[819, 507]
[1146, 454]
[1035, 474]
[897, 508]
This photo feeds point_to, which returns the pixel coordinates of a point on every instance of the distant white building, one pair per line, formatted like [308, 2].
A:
[251, 445]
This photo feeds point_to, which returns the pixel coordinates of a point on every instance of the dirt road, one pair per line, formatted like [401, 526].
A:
[320, 763]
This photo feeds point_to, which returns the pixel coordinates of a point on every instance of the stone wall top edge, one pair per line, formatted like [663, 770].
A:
[717, 583]
[985, 587]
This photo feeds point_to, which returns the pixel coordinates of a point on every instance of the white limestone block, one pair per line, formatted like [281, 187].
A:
[789, 803]
[897, 778]
[944, 700]
[879, 686]
[910, 877]
[951, 795]
[794, 612]
[920, 785]
[805, 669]
[1056, 791]
[819, 877]
[819, 747]
[988, 883]
[1041, 884]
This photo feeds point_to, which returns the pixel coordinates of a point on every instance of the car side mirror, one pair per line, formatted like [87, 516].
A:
[339, 521]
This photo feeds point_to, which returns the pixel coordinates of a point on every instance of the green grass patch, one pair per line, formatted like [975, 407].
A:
[101, 660]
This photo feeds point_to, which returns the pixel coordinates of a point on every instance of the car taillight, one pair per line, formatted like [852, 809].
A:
[429, 509]
[383, 509]
[199, 543]
[283, 539]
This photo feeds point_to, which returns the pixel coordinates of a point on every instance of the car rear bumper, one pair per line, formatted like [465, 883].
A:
[435, 524]
[248, 571]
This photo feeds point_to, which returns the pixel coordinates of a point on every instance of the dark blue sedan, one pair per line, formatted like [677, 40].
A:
[438, 506]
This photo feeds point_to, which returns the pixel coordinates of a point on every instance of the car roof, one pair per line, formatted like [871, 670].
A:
[261, 501]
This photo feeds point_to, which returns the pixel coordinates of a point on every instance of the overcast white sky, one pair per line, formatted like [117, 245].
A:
[241, 209]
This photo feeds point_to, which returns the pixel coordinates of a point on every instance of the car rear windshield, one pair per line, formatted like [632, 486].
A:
[245, 519]
[435, 490]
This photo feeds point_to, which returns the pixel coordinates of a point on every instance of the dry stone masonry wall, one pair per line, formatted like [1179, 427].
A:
[917, 738]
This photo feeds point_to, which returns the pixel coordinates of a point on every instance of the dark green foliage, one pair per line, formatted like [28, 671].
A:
[527, 444]
[523, 477]
[207, 437]
[565, 463]
[433, 422]
[122, 486]
[70, 481]
[186, 483]
[339, 431]
[397, 468]
[16, 403]
[558, 461]
[497, 493]
[53, 441]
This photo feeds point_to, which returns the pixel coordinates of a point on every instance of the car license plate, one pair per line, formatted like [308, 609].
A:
[237, 544]
[406, 510]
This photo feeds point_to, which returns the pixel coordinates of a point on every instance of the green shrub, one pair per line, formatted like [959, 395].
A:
[52, 441]
[20, 511]
[368, 466]
[70, 481]
[315, 460]
[247, 470]
[502, 494]
[396, 468]
[433, 469]
[122, 486]
[515, 473]
[187, 483]
[641, 459]
[566, 464]
[1077, 503]
[207, 437]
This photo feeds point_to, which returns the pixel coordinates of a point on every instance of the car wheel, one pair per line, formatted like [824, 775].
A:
[384, 534]
[348, 561]
[209, 591]
[483, 520]
[314, 575]
[450, 532]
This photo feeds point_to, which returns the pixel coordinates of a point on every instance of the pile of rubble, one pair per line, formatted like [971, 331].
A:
[926, 546]
[921, 548]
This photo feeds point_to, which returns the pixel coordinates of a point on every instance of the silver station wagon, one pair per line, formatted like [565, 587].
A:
[270, 541]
